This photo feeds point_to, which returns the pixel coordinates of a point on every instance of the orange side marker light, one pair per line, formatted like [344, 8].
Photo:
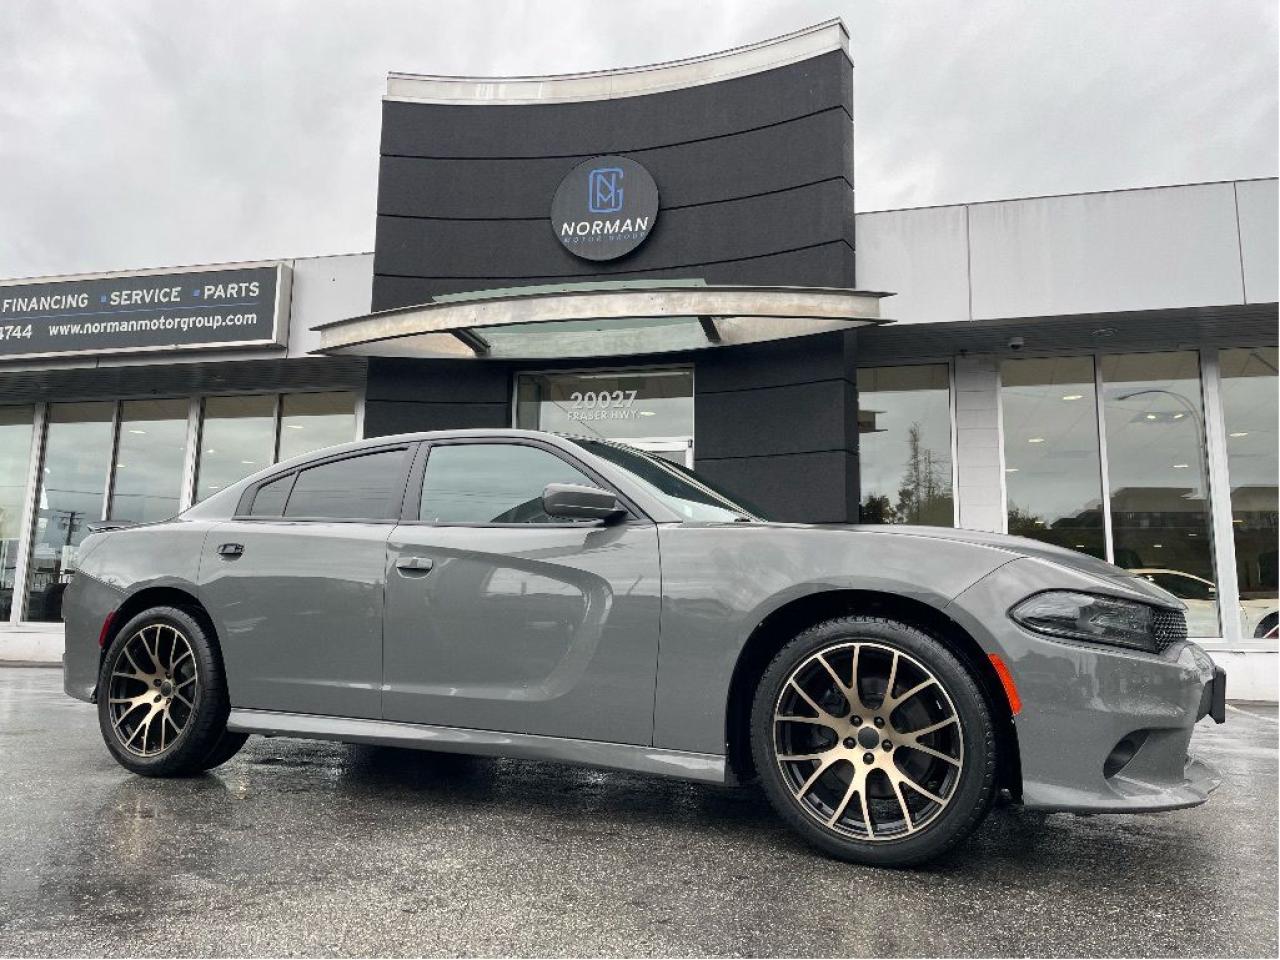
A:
[1006, 680]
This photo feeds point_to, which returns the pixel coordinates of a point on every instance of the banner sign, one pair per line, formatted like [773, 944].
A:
[604, 208]
[153, 311]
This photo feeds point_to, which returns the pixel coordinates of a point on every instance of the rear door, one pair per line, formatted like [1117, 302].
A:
[295, 585]
[499, 617]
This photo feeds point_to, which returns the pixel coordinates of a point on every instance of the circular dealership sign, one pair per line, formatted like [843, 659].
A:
[604, 208]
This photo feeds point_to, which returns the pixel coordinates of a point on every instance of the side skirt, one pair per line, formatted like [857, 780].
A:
[705, 767]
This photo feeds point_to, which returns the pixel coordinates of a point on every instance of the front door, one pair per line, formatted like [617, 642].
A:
[500, 618]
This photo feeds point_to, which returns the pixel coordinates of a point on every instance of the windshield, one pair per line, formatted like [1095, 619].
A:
[693, 497]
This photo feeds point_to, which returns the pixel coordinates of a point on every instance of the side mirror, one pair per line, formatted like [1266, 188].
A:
[571, 501]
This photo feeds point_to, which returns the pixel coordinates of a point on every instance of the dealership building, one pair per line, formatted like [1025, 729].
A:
[670, 256]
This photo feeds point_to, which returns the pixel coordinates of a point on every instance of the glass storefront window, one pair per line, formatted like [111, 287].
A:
[310, 421]
[1053, 477]
[1250, 415]
[612, 405]
[15, 464]
[149, 457]
[904, 428]
[73, 478]
[1158, 477]
[237, 438]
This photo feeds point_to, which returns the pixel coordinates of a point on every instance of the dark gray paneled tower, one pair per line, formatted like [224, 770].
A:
[752, 153]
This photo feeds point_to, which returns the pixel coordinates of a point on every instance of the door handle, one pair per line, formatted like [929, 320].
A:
[229, 551]
[420, 564]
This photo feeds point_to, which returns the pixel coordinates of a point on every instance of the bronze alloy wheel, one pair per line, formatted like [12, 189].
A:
[154, 688]
[162, 695]
[868, 741]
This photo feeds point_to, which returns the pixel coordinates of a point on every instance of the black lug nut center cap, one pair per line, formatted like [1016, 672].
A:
[868, 737]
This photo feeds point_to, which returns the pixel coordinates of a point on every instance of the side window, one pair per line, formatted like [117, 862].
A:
[491, 483]
[270, 498]
[358, 488]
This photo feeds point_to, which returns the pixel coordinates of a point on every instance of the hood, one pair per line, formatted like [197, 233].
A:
[1026, 547]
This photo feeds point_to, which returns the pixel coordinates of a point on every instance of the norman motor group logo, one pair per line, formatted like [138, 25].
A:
[604, 208]
[604, 190]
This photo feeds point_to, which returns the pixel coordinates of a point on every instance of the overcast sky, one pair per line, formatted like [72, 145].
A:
[136, 134]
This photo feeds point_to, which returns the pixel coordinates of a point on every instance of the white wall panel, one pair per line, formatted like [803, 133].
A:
[979, 457]
[1099, 252]
[1258, 201]
[324, 289]
[921, 256]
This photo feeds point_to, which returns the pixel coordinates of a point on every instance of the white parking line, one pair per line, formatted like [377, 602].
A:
[1250, 713]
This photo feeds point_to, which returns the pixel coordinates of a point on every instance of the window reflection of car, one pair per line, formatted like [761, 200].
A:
[1257, 615]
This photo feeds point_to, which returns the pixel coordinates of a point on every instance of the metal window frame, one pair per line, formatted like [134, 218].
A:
[955, 448]
[109, 482]
[191, 455]
[1219, 481]
[27, 527]
[1104, 464]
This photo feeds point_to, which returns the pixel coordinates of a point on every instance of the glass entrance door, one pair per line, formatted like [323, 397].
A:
[648, 409]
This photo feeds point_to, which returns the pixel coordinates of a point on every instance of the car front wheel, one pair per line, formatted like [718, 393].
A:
[162, 699]
[874, 742]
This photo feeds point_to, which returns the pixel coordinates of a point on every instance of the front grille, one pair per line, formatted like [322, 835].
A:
[1169, 627]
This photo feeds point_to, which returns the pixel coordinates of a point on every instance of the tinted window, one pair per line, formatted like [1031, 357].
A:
[358, 488]
[270, 498]
[1052, 461]
[238, 438]
[491, 483]
[149, 453]
[904, 437]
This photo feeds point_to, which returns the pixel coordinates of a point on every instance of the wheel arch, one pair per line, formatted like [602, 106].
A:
[166, 595]
[771, 633]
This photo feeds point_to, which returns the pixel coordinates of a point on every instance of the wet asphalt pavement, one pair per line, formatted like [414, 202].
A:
[298, 848]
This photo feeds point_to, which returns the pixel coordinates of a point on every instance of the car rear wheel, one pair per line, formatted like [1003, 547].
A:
[874, 742]
[162, 698]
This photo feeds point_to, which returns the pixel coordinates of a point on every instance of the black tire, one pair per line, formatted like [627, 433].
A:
[182, 746]
[969, 776]
[228, 746]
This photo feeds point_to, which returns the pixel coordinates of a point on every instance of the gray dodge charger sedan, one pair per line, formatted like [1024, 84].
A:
[520, 594]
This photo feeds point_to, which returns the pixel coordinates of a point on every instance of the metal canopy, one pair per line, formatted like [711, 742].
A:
[600, 321]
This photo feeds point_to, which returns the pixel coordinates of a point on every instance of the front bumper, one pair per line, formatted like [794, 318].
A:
[1102, 729]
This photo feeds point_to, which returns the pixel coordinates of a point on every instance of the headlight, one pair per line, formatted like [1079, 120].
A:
[1083, 616]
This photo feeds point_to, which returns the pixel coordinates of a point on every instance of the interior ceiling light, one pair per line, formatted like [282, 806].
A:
[1237, 436]
[1010, 469]
[1074, 396]
[1035, 440]
[1181, 466]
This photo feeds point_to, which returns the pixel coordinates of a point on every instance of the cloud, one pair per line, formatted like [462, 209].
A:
[150, 134]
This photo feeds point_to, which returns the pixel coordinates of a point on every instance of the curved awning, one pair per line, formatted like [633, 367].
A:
[599, 321]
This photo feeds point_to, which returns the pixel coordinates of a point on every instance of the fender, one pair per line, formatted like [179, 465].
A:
[719, 583]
